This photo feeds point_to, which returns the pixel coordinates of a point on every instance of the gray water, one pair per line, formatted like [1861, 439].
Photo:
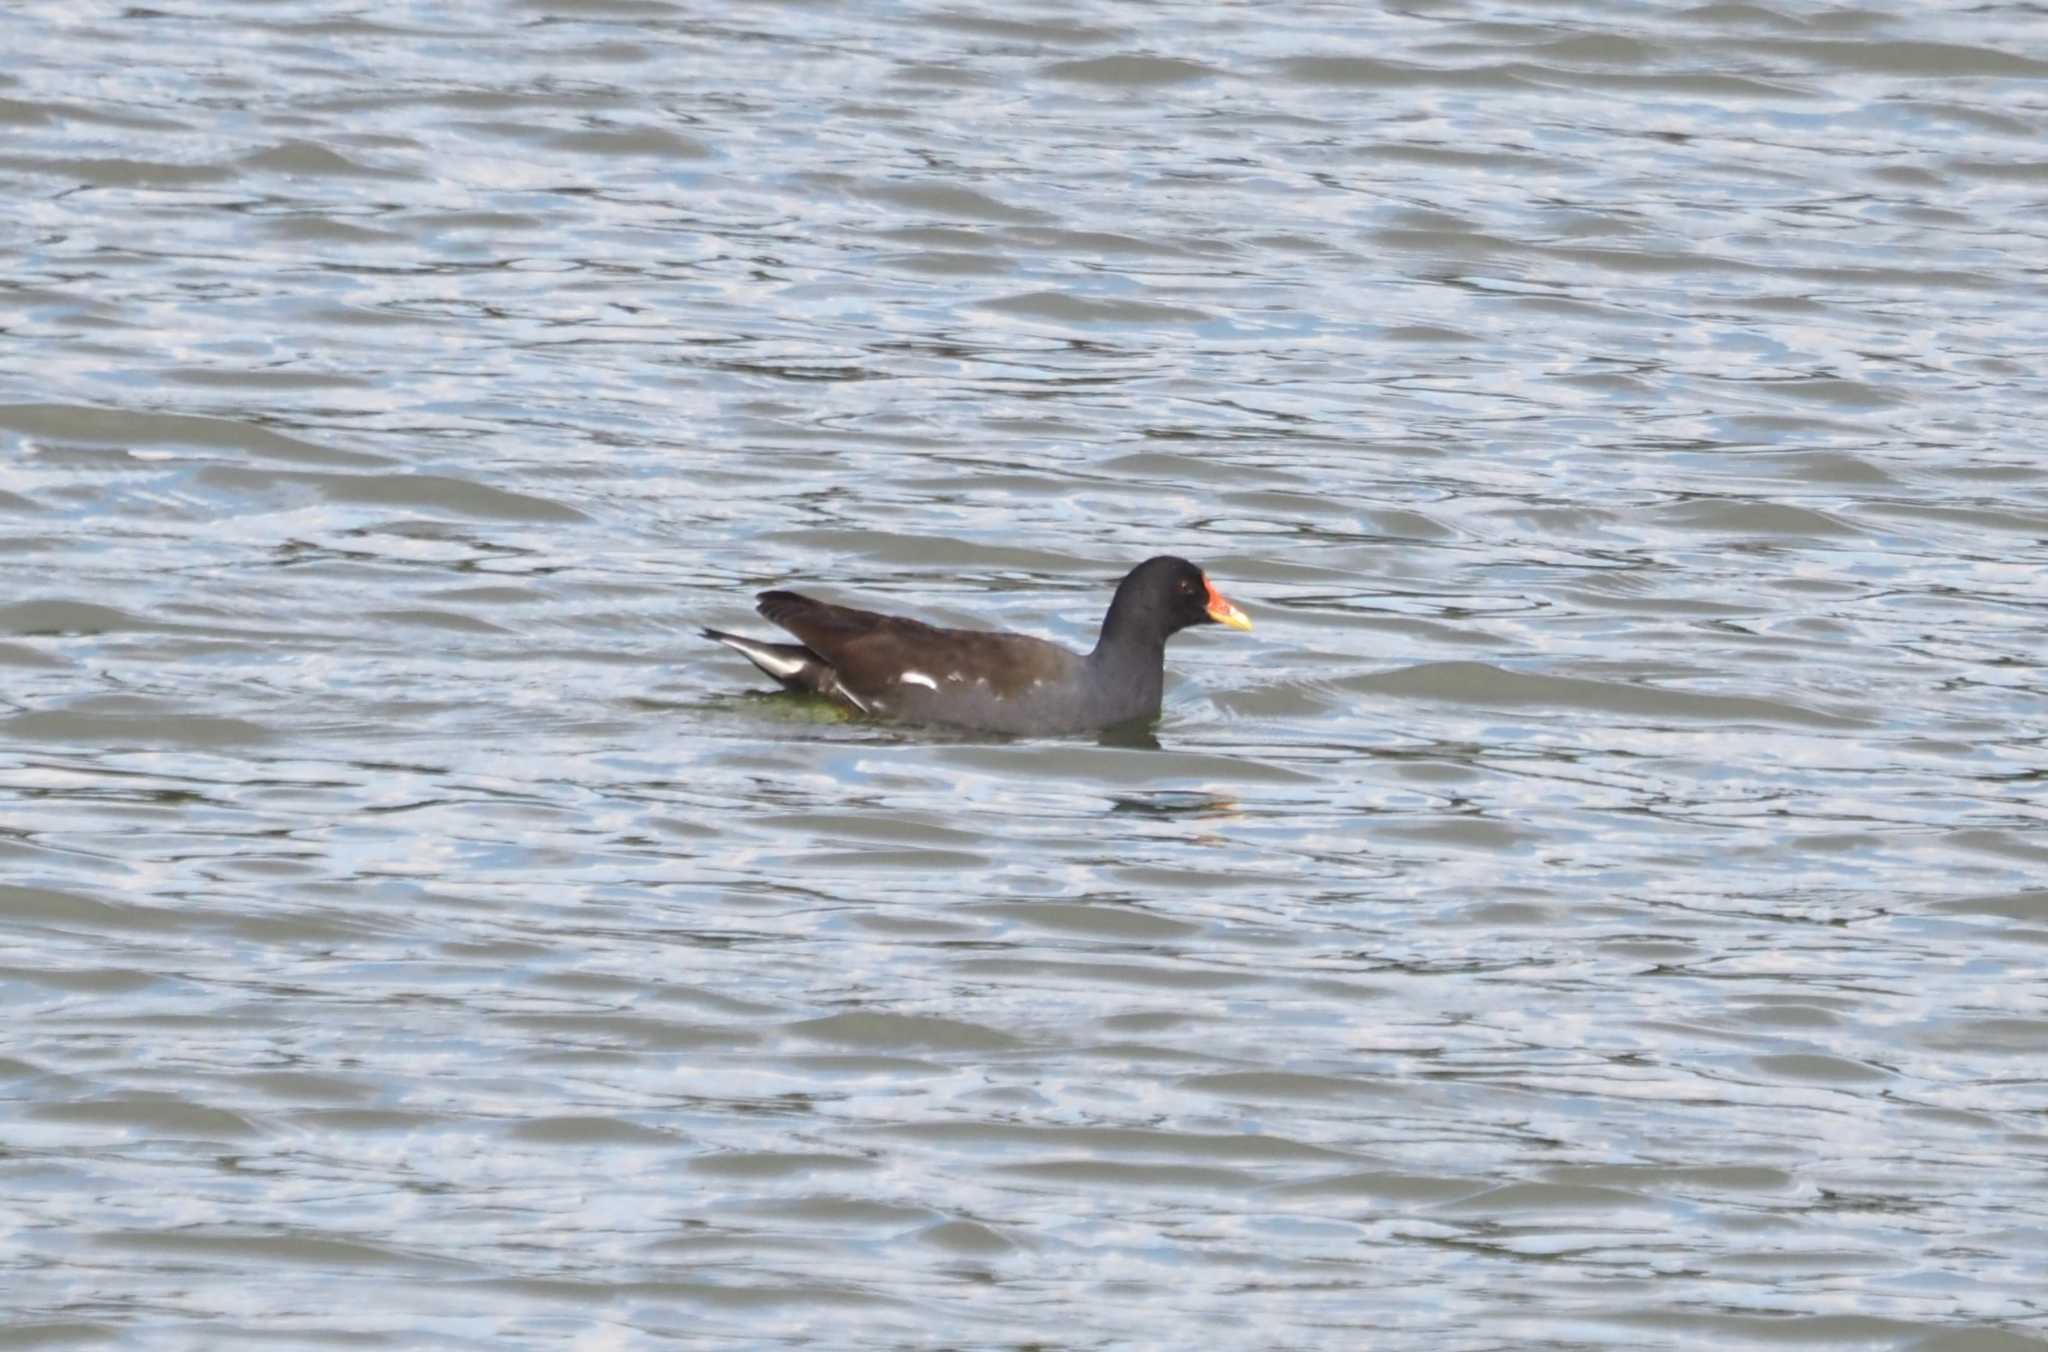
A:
[1602, 904]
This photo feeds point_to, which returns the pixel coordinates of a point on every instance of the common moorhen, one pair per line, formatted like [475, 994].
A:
[887, 666]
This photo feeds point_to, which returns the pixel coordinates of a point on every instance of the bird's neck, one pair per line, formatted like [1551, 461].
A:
[1132, 661]
[1121, 633]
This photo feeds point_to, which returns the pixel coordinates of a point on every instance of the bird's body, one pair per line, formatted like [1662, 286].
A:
[888, 666]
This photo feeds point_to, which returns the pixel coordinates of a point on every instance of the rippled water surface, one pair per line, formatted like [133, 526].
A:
[1602, 904]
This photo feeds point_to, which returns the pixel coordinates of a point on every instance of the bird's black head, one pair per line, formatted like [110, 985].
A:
[1162, 596]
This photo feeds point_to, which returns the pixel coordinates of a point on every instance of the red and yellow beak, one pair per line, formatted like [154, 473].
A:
[1222, 611]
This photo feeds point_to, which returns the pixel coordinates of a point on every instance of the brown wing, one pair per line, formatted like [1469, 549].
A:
[872, 652]
[822, 625]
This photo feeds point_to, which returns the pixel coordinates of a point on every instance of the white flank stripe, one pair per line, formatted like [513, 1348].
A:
[918, 678]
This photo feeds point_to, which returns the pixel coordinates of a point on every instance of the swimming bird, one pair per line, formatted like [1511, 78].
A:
[888, 666]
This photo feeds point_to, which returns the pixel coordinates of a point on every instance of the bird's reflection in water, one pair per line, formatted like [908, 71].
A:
[1174, 803]
[1135, 735]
